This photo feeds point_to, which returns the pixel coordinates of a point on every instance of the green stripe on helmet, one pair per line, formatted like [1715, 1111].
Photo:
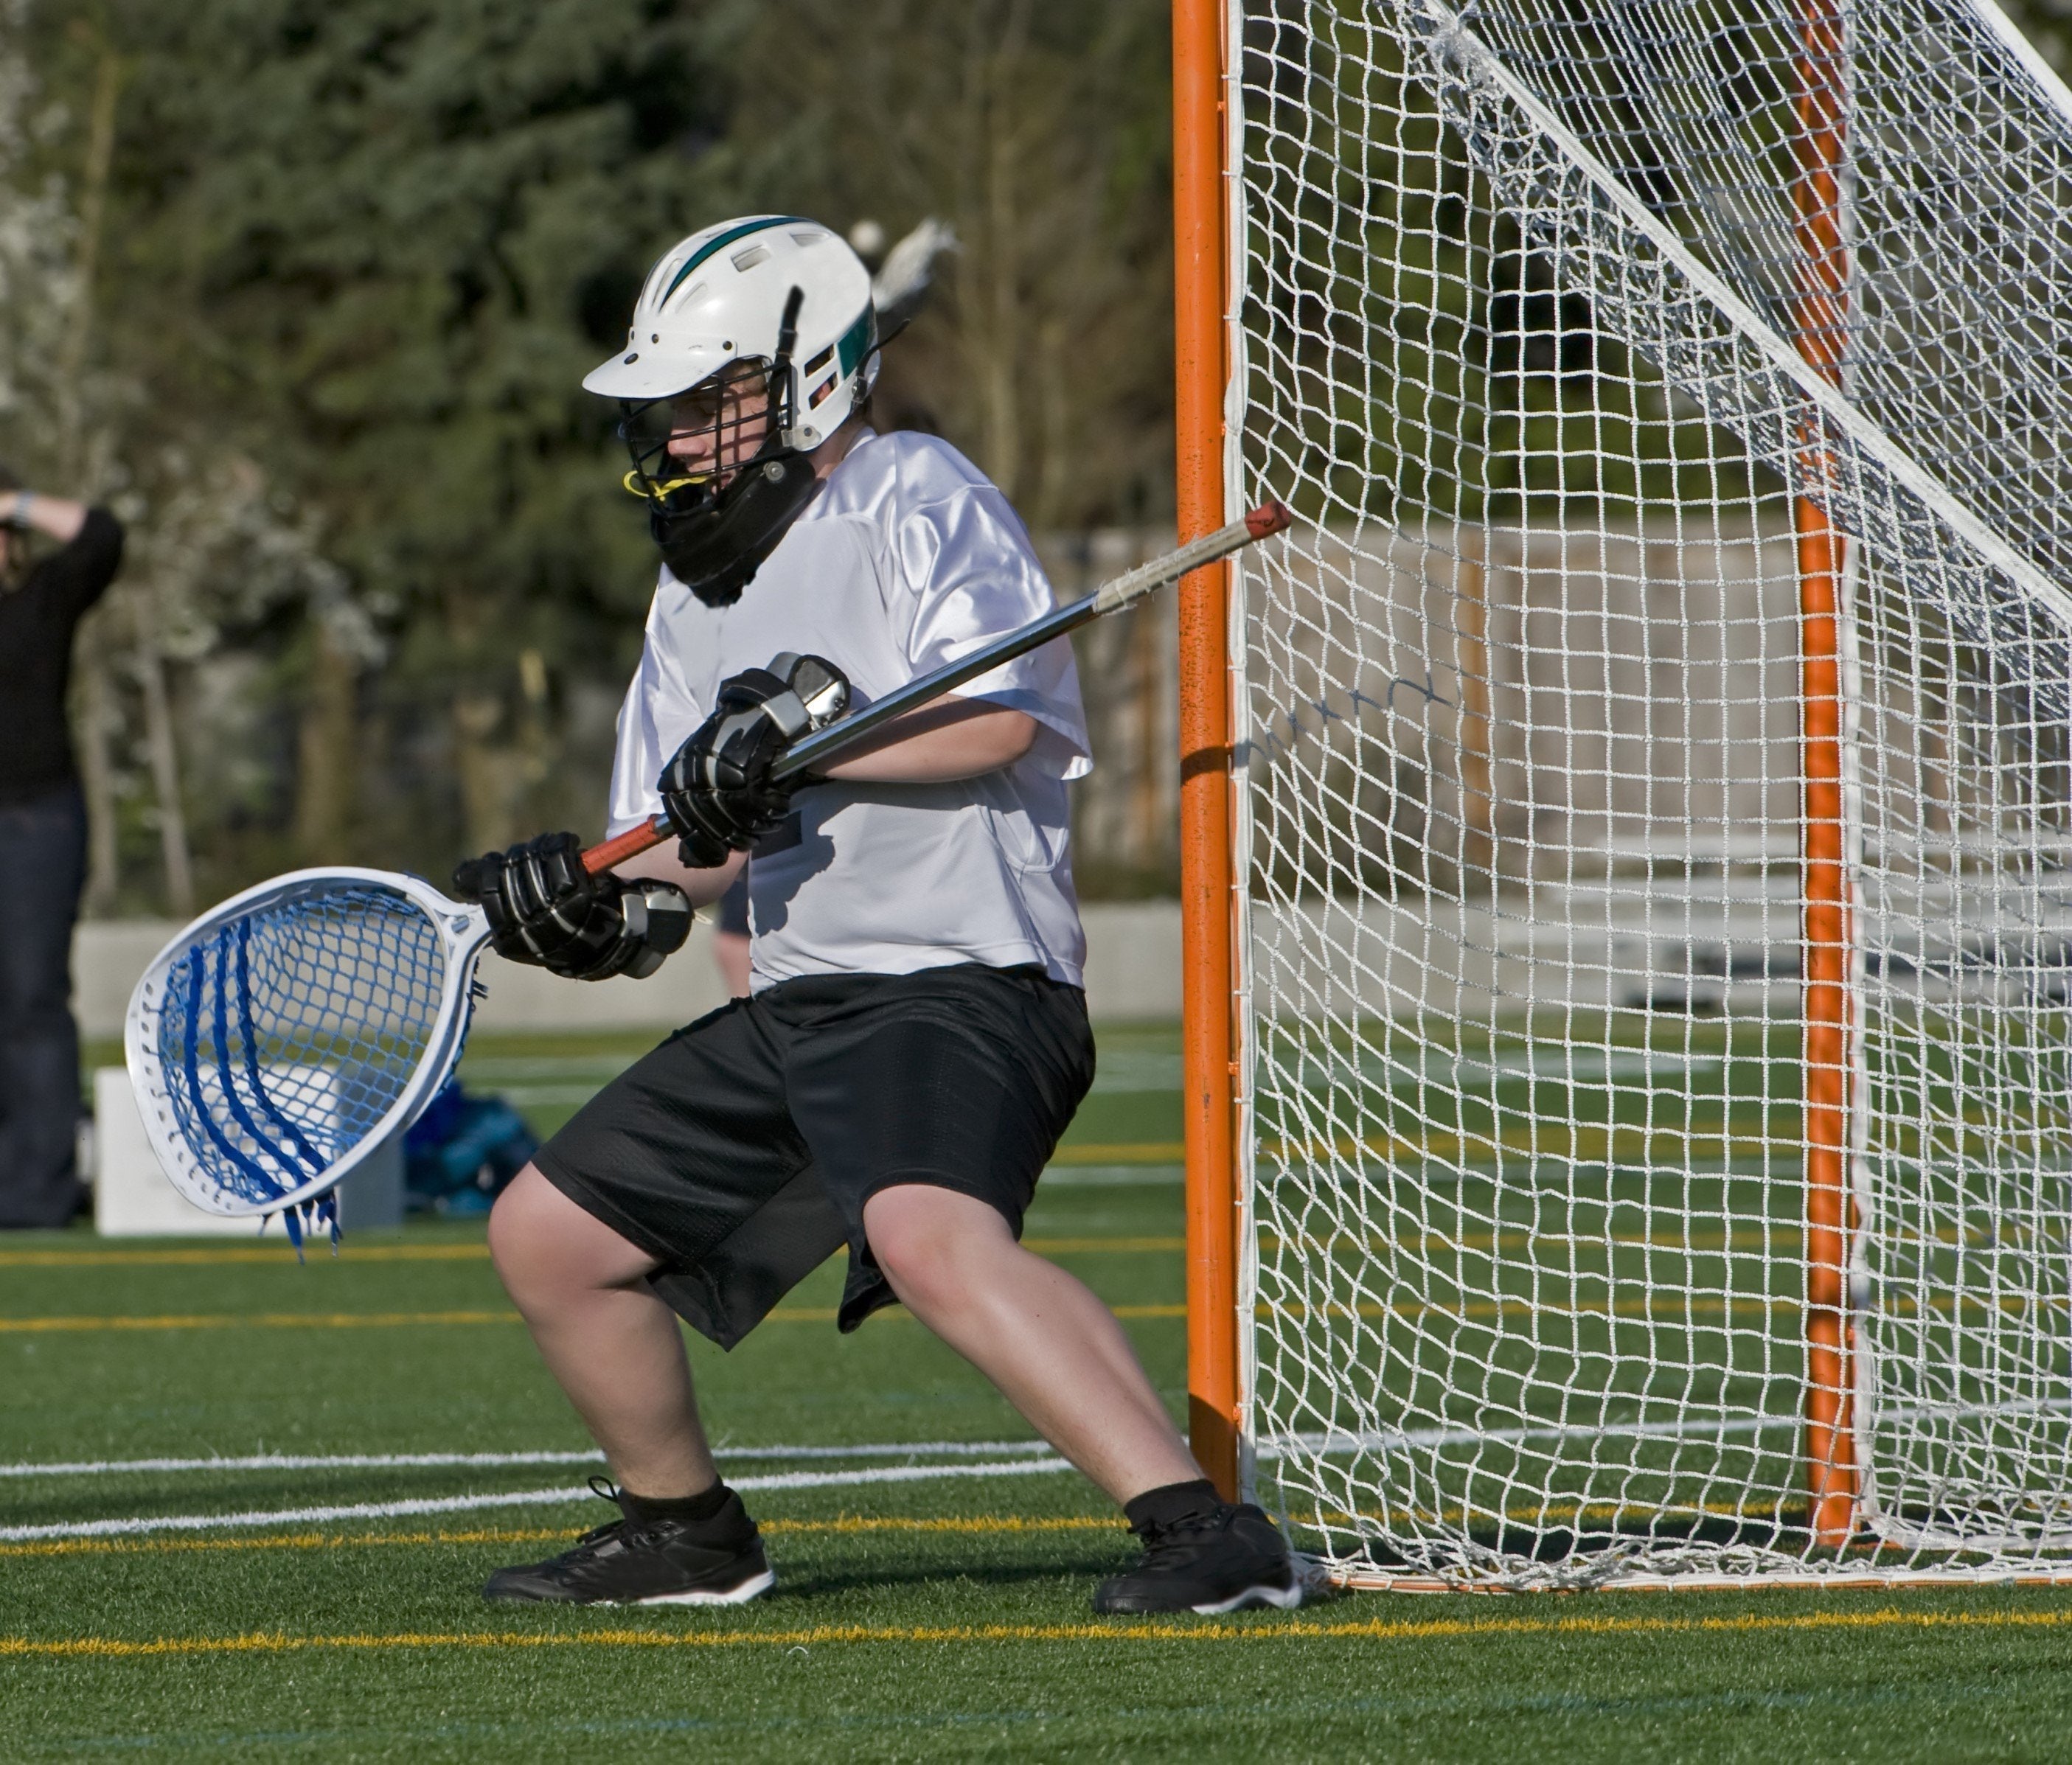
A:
[721, 243]
[856, 341]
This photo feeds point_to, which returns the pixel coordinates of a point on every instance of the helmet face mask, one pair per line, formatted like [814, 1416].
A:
[752, 343]
[722, 486]
[686, 449]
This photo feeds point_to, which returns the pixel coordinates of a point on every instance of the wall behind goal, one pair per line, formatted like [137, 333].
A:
[1532, 699]
[1125, 815]
[1561, 755]
[1511, 681]
[1133, 975]
[1505, 709]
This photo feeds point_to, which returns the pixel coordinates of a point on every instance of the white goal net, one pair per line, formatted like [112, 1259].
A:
[1584, 340]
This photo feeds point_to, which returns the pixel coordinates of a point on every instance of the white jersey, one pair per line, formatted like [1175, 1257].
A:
[907, 558]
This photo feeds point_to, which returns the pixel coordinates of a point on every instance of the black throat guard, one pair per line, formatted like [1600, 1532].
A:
[715, 540]
[715, 546]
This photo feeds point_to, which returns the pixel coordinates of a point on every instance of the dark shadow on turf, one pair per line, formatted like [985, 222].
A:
[811, 1585]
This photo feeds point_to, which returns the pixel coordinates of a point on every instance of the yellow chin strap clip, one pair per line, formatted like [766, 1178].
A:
[639, 482]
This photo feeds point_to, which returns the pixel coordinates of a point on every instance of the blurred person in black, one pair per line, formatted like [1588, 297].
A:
[43, 844]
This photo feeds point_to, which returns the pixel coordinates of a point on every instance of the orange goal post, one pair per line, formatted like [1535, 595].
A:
[1626, 828]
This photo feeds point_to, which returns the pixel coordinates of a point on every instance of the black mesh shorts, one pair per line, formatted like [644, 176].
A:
[740, 1153]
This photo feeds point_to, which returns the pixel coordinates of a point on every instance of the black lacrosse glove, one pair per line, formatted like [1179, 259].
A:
[544, 908]
[717, 791]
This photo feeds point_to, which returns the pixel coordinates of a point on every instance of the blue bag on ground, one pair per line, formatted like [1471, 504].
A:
[461, 1152]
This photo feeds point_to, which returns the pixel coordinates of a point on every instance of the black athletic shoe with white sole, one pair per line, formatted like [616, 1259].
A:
[1216, 1559]
[649, 1559]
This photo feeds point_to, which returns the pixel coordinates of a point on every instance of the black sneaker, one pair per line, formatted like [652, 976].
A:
[654, 1561]
[1221, 1560]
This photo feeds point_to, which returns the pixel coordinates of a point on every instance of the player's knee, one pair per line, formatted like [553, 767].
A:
[520, 1234]
[923, 1275]
[549, 1252]
[935, 1246]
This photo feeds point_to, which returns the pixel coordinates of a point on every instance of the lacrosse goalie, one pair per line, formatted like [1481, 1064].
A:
[915, 1041]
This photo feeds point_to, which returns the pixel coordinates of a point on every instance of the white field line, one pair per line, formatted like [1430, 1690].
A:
[1698, 1428]
[1409, 1440]
[383, 1461]
[517, 1498]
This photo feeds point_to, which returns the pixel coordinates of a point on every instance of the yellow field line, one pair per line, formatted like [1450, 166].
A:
[1270, 1630]
[1668, 1307]
[376, 1320]
[1778, 1238]
[1550, 1140]
[1557, 1515]
[1659, 1306]
[515, 1535]
[1121, 1152]
[978, 1523]
[1789, 1513]
[1553, 1515]
[260, 1320]
[1781, 1237]
[278, 1253]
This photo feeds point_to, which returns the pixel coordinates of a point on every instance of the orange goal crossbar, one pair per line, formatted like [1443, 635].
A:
[1207, 889]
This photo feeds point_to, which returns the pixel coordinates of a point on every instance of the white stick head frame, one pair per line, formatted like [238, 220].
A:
[288, 1034]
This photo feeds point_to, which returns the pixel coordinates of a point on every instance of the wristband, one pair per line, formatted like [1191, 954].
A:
[19, 515]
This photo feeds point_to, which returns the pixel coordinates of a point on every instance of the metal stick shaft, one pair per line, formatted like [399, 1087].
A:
[824, 744]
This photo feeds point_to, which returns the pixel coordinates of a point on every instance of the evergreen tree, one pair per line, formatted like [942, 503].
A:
[1042, 134]
[379, 243]
[354, 259]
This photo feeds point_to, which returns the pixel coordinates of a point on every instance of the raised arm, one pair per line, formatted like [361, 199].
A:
[952, 738]
[718, 793]
[58, 516]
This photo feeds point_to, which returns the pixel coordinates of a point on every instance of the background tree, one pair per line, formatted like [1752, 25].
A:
[307, 291]
[398, 236]
[1042, 134]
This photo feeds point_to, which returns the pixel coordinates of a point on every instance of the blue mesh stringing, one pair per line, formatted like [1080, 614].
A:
[289, 1033]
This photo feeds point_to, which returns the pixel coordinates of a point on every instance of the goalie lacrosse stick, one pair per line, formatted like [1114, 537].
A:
[1125, 590]
[289, 1034]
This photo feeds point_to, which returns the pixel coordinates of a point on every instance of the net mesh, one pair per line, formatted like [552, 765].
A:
[286, 1036]
[1524, 303]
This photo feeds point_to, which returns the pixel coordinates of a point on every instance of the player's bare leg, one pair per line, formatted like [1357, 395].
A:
[1055, 1352]
[1058, 1356]
[616, 1350]
[611, 1344]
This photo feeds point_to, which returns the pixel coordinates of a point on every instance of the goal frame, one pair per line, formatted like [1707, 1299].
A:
[1211, 903]
[1208, 241]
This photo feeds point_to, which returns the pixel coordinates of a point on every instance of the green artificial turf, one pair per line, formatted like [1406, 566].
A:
[940, 1619]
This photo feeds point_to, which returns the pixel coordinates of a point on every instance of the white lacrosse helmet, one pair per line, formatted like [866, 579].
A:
[720, 297]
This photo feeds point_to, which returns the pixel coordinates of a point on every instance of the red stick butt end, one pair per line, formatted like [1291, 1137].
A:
[1267, 520]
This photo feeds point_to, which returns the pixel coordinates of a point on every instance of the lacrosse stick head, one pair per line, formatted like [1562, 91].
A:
[287, 1035]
